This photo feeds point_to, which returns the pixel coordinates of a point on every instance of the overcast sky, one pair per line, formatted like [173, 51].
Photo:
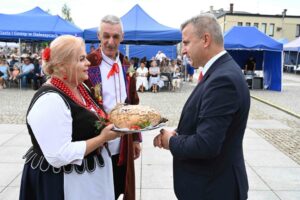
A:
[87, 13]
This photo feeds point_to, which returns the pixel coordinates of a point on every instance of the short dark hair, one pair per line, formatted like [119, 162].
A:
[206, 22]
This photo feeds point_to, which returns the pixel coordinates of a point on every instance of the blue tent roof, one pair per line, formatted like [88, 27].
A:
[245, 41]
[283, 40]
[35, 24]
[140, 28]
[35, 11]
[241, 37]
[293, 45]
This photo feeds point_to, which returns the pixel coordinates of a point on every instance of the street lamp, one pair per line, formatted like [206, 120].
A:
[282, 23]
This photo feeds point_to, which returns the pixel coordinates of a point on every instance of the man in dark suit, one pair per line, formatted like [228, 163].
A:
[208, 161]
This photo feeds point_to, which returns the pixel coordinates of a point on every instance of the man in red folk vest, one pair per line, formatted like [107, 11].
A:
[111, 85]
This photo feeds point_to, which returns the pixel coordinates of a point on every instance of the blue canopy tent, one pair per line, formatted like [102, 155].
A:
[35, 25]
[242, 42]
[142, 29]
[149, 51]
[293, 49]
[141, 51]
[283, 40]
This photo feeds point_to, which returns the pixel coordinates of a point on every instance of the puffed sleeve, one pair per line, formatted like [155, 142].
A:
[51, 122]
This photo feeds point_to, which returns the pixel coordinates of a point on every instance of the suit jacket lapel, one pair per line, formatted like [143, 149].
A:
[218, 62]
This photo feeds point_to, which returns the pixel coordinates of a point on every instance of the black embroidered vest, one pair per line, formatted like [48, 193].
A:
[83, 128]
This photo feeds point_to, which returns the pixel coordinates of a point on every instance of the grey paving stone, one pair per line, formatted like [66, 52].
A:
[262, 195]
[268, 158]
[280, 178]
[12, 154]
[257, 143]
[138, 171]
[8, 173]
[17, 181]
[156, 156]
[266, 124]
[250, 134]
[19, 140]
[158, 194]
[11, 128]
[5, 137]
[288, 195]
[10, 193]
[255, 182]
[157, 177]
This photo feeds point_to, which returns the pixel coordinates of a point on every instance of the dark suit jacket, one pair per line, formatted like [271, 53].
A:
[208, 161]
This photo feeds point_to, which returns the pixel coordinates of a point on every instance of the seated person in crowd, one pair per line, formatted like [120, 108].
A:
[126, 62]
[27, 70]
[141, 77]
[176, 79]
[155, 77]
[160, 56]
[165, 70]
[131, 69]
[39, 75]
[14, 73]
[12, 62]
[3, 73]
[190, 72]
[250, 66]
[174, 65]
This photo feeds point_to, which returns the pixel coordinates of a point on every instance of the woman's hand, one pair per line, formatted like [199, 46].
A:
[107, 134]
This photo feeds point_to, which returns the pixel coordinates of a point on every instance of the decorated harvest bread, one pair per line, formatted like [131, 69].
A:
[134, 116]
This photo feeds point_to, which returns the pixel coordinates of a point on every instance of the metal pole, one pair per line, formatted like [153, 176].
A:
[296, 65]
[127, 50]
[283, 15]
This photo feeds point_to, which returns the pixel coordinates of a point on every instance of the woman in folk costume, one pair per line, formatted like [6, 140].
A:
[69, 157]
[111, 85]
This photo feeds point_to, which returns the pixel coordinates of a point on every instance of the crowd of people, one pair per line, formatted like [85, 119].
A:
[151, 75]
[157, 73]
[21, 70]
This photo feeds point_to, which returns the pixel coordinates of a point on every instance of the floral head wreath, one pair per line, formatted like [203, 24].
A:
[46, 54]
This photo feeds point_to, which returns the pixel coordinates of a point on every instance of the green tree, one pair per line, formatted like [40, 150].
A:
[66, 12]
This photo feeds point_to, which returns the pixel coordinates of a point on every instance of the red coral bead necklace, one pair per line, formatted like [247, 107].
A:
[89, 103]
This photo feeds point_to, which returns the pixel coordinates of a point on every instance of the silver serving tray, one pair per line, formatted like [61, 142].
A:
[149, 128]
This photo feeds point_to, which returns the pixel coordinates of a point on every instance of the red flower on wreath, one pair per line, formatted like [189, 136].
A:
[46, 54]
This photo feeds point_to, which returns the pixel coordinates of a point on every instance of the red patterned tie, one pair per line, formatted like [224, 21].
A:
[114, 69]
[200, 76]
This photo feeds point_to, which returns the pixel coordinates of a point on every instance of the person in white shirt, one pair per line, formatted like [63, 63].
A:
[26, 71]
[160, 56]
[111, 85]
[141, 77]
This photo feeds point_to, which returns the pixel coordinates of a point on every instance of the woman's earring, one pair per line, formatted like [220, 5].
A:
[65, 77]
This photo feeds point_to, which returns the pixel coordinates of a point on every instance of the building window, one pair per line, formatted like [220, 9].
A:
[248, 24]
[298, 30]
[271, 30]
[256, 25]
[264, 27]
[240, 23]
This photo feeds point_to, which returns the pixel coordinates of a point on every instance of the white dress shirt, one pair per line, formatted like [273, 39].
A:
[211, 61]
[113, 92]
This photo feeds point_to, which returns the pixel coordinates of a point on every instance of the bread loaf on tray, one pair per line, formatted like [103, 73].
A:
[134, 116]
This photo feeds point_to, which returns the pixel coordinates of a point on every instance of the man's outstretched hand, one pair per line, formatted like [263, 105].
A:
[162, 139]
